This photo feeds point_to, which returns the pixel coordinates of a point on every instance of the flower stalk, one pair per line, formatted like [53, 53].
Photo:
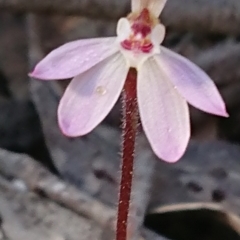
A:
[130, 124]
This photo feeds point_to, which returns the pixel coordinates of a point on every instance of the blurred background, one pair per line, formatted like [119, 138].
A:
[196, 198]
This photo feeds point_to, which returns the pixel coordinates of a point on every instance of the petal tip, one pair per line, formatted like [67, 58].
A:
[226, 115]
[36, 74]
[66, 129]
[69, 128]
[171, 156]
[172, 151]
[31, 74]
[172, 159]
[222, 112]
[40, 75]
[225, 112]
[65, 125]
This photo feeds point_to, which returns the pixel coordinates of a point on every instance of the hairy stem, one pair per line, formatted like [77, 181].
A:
[130, 123]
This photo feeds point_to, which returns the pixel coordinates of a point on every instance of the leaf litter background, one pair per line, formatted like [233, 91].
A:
[57, 188]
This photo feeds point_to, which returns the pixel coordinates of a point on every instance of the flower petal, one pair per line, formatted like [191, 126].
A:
[192, 82]
[74, 58]
[154, 6]
[123, 29]
[163, 111]
[158, 34]
[91, 95]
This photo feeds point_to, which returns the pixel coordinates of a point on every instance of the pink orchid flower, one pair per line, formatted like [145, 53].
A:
[166, 81]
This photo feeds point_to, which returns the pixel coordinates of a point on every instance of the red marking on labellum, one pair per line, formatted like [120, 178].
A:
[127, 44]
[147, 47]
[137, 46]
[141, 28]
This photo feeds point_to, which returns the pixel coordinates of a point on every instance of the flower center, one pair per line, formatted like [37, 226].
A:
[141, 28]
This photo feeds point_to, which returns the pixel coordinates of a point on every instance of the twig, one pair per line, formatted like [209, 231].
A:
[39, 179]
[92, 8]
[217, 16]
[144, 167]
[220, 16]
[222, 64]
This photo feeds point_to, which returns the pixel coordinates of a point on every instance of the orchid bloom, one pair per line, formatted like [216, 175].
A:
[166, 81]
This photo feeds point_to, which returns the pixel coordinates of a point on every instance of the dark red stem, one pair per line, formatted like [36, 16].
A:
[130, 123]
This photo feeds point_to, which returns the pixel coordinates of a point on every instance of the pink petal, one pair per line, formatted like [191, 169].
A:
[163, 111]
[192, 82]
[91, 95]
[74, 58]
[155, 6]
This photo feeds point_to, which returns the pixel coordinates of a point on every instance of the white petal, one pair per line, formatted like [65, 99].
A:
[154, 6]
[123, 29]
[164, 113]
[158, 34]
[91, 95]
